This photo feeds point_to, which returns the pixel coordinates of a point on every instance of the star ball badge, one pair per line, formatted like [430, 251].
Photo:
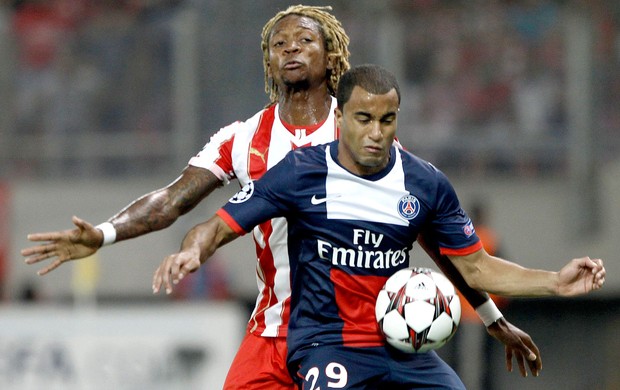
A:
[244, 194]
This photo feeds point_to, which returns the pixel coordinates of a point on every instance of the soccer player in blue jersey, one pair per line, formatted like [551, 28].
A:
[354, 208]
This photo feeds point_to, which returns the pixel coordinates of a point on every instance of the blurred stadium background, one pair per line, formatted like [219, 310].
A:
[104, 100]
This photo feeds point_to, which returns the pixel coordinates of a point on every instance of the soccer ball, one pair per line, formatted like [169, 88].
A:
[418, 310]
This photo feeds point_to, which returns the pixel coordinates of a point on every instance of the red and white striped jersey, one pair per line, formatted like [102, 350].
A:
[245, 151]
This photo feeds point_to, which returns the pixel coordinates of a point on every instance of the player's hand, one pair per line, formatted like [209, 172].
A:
[519, 345]
[173, 269]
[63, 246]
[580, 276]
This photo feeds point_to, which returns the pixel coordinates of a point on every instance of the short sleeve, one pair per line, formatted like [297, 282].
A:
[453, 229]
[273, 195]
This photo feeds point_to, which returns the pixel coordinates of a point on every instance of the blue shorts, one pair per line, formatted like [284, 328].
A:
[375, 368]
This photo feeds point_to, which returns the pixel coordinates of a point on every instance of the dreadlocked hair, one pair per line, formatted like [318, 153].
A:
[336, 44]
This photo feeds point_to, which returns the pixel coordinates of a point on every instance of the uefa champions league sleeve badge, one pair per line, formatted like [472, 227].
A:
[244, 194]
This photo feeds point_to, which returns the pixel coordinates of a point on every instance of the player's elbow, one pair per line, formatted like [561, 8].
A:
[471, 271]
[475, 280]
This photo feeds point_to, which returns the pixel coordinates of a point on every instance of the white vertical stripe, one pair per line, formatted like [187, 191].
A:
[240, 150]
[282, 286]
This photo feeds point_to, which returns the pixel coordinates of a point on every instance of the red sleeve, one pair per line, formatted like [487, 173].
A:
[468, 250]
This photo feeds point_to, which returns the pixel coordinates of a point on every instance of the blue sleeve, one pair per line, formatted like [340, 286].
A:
[453, 228]
[269, 197]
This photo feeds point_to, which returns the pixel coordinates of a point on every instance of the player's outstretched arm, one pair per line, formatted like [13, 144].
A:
[517, 343]
[161, 208]
[198, 245]
[498, 276]
[153, 211]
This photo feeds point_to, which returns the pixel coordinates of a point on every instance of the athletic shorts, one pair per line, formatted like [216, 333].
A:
[376, 368]
[260, 364]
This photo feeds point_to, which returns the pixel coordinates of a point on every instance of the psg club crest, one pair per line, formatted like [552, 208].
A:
[408, 207]
[244, 194]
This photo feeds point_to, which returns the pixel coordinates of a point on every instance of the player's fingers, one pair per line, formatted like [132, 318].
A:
[509, 359]
[531, 358]
[528, 354]
[521, 362]
[81, 228]
[183, 270]
[175, 270]
[36, 259]
[595, 265]
[538, 363]
[79, 222]
[40, 254]
[39, 250]
[189, 267]
[43, 236]
[49, 268]
[166, 277]
[29, 251]
[534, 358]
[157, 280]
[174, 266]
[535, 366]
[599, 272]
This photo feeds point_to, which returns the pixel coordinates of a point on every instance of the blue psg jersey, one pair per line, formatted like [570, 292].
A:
[347, 234]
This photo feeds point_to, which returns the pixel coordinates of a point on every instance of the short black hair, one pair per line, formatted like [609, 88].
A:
[372, 78]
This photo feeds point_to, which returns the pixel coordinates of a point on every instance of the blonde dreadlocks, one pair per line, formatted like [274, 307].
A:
[336, 44]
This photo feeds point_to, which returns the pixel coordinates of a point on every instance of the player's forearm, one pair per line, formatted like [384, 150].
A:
[207, 237]
[501, 277]
[511, 279]
[151, 212]
[161, 208]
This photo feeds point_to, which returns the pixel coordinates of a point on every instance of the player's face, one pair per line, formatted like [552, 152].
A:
[367, 125]
[297, 55]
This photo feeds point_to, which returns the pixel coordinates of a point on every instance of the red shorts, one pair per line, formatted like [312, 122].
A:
[260, 363]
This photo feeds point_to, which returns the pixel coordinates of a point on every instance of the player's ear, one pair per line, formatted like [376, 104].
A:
[331, 61]
[338, 115]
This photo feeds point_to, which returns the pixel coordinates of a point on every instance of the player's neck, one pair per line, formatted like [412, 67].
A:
[304, 107]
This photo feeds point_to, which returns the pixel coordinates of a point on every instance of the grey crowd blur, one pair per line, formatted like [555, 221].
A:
[93, 88]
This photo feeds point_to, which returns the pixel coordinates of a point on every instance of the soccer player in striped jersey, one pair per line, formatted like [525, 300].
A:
[354, 208]
[305, 52]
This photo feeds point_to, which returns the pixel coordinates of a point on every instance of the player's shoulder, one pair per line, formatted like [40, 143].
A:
[311, 152]
[420, 170]
[252, 123]
[411, 160]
